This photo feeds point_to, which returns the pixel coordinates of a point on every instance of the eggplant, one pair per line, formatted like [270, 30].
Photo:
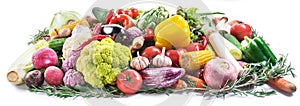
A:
[162, 77]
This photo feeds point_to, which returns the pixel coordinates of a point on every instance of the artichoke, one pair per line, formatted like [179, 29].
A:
[149, 19]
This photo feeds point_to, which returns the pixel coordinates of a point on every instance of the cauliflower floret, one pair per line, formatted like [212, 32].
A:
[101, 62]
[79, 35]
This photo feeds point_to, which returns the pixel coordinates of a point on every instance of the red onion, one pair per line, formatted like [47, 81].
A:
[218, 71]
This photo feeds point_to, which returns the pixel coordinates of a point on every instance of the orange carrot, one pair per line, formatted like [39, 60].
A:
[196, 80]
[283, 85]
[179, 84]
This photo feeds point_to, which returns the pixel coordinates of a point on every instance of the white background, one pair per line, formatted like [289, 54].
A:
[276, 20]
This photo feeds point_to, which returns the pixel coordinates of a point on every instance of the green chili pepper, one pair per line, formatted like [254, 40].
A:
[265, 49]
[252, 50]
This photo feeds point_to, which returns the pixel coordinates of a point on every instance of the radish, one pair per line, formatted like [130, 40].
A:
[44, 58]
[54, 76]
[218, 71]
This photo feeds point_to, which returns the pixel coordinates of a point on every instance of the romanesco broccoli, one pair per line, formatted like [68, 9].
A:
[101, 61]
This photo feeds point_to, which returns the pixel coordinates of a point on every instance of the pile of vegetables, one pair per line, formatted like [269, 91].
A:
[116, 53]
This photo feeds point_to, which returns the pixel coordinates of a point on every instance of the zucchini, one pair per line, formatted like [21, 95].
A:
[233, 40]
[57, 44]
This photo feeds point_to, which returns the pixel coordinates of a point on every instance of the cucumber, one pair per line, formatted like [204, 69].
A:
[57, 44]
[233, 40]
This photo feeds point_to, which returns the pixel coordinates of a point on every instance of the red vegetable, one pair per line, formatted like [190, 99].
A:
[150, 52]
[149, 35]
[240, 30]
[44, 58]
[97, 37]
[197, 46]
[109, 15]
[126, 20]
[54, 76]
[135, 12]
[175, 55]
[129, 81]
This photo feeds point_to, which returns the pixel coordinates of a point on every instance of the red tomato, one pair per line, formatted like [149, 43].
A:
[150, 52]
[129, 81]
[135, 12]
[193, 47]
[240, 30]
[174, 56]
[149, 35]
[121, 11]
[129, 13]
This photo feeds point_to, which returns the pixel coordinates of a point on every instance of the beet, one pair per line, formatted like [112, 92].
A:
[34, 78]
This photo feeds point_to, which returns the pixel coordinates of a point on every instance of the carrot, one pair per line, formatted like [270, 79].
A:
[283, 85]
[179, 84]
[198, 82]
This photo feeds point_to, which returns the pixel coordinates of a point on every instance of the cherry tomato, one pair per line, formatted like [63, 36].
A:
[150, 52]
[114, 20]
[149, 35]
[121, 11]
[135, 12]
[240, 30]
[129, 13]
[129, 81]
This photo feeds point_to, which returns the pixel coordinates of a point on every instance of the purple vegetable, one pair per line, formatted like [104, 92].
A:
[34, 78]
[69, 63]
[126, 37]
[44, 58]
[73, 77]
[162, 77]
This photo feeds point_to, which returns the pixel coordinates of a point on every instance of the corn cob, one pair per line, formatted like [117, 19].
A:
[191, 61]
[70, 26]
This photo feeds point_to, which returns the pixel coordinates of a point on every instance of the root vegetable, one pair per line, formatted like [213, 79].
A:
[54, 76]
[283, 85]
[44, 58]
[218, 71]
[198, 82]
[34, 78]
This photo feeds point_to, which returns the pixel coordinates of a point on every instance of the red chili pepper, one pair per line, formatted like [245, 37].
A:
[96, 37]
[124, 19]
[109, 15]
[204, 43]
[96, 29]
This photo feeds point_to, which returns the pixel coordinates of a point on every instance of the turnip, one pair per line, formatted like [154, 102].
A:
[44, 58]
[218, 71]
[54, 76]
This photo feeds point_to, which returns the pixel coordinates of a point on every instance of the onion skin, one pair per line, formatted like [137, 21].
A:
[218, 71]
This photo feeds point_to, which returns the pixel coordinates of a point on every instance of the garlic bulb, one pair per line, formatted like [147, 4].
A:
[139, 62]
[161, 60]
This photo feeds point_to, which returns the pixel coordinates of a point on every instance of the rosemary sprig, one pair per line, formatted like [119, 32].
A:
[39, 35]
[79, 91]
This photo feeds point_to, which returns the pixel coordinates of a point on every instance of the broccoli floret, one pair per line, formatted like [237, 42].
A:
[101, 62]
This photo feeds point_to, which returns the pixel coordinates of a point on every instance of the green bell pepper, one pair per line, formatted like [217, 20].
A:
[252, 50]
[265, 49]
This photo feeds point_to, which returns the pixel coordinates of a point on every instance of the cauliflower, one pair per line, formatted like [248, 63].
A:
[79, 35]
[73, 77]
[101, 61]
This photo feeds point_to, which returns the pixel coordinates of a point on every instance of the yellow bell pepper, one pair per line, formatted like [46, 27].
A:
[173, 31]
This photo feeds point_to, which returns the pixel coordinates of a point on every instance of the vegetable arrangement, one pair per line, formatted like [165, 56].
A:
[127, 51]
